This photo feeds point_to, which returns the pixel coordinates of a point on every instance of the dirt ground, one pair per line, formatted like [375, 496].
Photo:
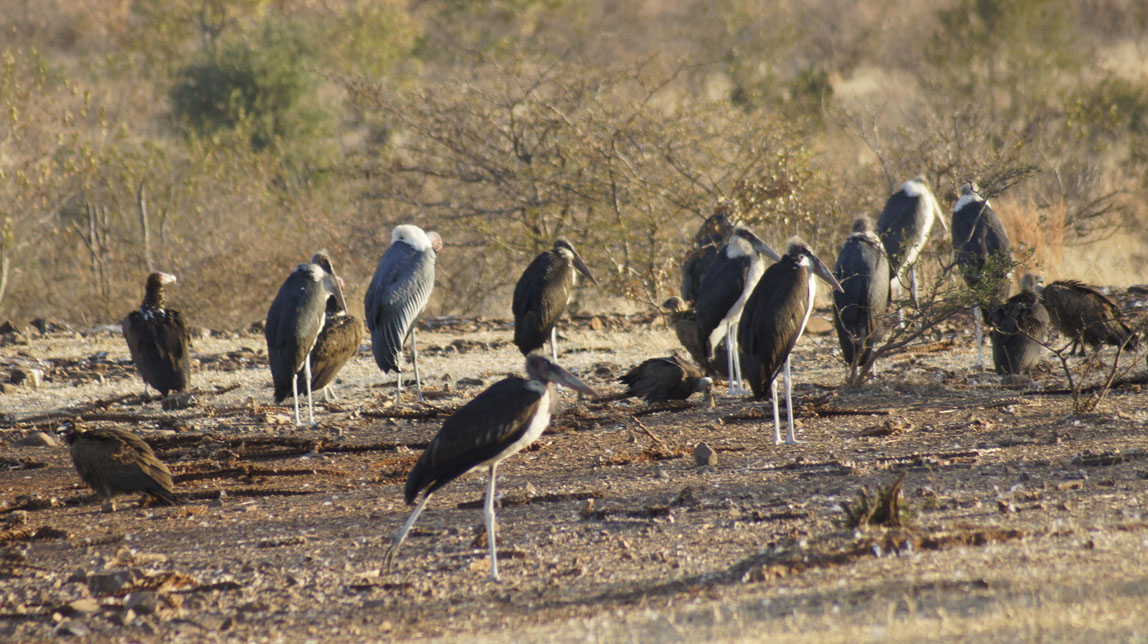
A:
[1028, 520]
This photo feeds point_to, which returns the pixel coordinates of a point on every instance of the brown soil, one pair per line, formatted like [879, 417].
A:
[1025, 521]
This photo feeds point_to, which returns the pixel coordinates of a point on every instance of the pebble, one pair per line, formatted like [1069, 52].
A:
[705, 455]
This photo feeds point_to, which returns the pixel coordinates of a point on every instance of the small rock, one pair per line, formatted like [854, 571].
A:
[38, 439]
[84, 606]
[704, 455]
[143, 602]
[73, 628]
[818, 325]
[107, 583]
[596, 323]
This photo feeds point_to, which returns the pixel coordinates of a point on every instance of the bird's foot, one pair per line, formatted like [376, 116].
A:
[389, 557]
[738, 391]
[495, 578]
[109, 506]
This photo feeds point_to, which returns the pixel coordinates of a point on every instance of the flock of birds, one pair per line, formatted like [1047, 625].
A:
[732, 301]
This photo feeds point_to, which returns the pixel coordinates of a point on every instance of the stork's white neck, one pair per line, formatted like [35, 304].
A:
[967, 199]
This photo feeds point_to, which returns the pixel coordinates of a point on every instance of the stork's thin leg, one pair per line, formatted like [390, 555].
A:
[980, 337]
[399, 389]
[554, 343]
[792, 438]
[307, 374]
[488, 514]
[295, 396]
[913, 287]
[389, 557]
[776, 419]
[415, 362]
[729, 363]
[736, 352]
[895, 286]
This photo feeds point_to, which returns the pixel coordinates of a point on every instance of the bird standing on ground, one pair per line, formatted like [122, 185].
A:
[158, 340]
[338, 341]
[1019, 327]
[859, 309]
[397, 296]
[293, 324]
[727, 284]
[904, 226]
[661, 379]
[113, 461]
[1087, 316]
[492, 427]
[983, 252]
[541, 296]
[774, 319]
[711, 237]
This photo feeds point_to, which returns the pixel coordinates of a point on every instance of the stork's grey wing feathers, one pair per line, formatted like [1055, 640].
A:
[397, 296]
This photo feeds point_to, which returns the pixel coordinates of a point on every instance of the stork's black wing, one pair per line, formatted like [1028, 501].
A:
[476, 433]
[540, 298]
[771, 322]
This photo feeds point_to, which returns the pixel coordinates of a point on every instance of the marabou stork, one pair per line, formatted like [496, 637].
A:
[541, 296]
[904, 226]
[724, 291]
[397, 296]
[979, 243]
[661, 379]
[158, 340]
[774, 319]
[293, 324]
[337, 343]
[113, 461]
[859, 310]
[708, 242]
[1087, 316]
[495, 425]
[1019, 327]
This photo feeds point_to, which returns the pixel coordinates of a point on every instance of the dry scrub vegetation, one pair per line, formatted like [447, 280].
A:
[225, 140]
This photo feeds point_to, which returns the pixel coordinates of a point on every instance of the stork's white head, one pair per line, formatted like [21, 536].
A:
[414, 237]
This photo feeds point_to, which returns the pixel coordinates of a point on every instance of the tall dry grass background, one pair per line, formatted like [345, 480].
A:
[261, 132]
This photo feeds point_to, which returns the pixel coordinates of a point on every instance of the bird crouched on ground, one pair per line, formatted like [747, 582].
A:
[113, 462]
[660, 379]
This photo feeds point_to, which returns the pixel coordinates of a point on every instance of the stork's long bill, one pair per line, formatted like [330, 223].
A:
[538, 367]
[822, 271]
[584, 269]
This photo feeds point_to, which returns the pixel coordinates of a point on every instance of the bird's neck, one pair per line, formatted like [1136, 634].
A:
[153, 298]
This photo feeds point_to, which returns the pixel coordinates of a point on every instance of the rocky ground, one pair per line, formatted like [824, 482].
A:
[1025, 521]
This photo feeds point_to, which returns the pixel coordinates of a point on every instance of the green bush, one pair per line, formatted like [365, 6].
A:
[267, 84]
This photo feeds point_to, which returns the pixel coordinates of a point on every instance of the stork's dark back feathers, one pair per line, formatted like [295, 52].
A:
[158, 340]
[1082, 312]
[542, 293]
[293, 323]
[708, 242]
[113, 461]
[859, 312]
[979, 243]
[476, 433]
[772, 321]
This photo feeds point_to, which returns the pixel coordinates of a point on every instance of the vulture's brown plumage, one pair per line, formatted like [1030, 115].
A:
[113, 461]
